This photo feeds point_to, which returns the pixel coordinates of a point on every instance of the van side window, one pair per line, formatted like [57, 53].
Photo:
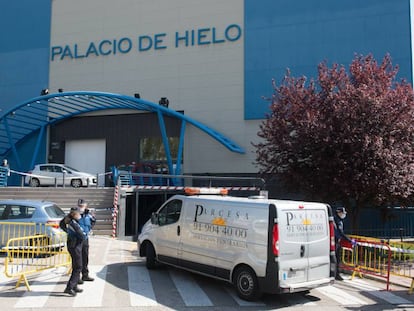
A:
[170, 213]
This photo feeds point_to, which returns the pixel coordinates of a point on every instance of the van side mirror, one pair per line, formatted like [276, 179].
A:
[154, 218]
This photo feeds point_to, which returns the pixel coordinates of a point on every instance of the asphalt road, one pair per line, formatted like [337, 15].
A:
[123, 283]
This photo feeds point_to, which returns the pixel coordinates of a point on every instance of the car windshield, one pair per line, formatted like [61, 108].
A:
[71, 168]
[54, 211]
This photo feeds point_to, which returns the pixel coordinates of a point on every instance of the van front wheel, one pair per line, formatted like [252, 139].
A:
[246, 284]
[150, 257]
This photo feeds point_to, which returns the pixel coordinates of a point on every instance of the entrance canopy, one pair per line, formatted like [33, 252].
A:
[33, 116]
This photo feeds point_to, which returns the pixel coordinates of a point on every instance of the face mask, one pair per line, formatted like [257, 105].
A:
[82, 210]
[342, 215]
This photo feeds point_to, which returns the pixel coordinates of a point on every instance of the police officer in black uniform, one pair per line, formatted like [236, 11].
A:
[339, 216]
[76, 236]
[87, 221]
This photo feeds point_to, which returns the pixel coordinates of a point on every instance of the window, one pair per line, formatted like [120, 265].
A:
[57, 169]
[170, 213]
[21, 212]
[3, 211]
[46, 168]
[152, 148]
[54, 211]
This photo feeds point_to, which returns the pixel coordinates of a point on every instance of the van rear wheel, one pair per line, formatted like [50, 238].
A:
[150, 257]
[246, 284]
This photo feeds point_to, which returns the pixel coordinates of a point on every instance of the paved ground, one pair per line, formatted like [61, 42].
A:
[123, 283]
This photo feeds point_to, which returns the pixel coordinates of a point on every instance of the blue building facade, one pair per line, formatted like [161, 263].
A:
[298, 35]
[273, 34]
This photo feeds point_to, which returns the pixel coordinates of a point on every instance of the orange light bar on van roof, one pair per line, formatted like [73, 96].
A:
[195, 191]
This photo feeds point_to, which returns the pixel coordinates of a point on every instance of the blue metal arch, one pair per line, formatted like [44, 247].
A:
[36, 114]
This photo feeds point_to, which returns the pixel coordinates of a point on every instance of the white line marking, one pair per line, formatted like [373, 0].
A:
[141, 292]
[378, 293]
[191, 293]
[241, 302]
[340, 296]
[93, 292]
[41, 287]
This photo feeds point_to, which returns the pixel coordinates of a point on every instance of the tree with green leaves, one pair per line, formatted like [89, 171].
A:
[347, 136]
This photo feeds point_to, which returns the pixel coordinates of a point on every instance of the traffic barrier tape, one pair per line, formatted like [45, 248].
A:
[115, 211]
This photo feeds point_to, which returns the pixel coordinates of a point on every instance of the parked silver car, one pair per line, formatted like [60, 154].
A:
[21, 218]
[53, 173]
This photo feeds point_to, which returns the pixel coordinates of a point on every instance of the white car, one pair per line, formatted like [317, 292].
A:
[53, 174]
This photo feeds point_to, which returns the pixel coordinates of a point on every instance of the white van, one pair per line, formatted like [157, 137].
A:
[260, 245]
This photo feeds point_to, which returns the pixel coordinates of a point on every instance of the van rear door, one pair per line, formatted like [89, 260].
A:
[303, 242]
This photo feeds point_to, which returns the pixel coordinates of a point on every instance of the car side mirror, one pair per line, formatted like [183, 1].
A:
[154, 218]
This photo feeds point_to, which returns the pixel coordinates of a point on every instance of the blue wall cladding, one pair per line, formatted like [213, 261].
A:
[24, 50]
[24, 64]
[298, 35]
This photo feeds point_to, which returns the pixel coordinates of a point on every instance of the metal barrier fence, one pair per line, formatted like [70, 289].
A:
[31, 248]
[12, 229]
[33, 254]
[379, 258]
[369, 258]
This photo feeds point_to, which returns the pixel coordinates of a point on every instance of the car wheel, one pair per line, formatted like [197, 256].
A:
[34, 182]
[246, 284]
[76, 183]
[151, 260]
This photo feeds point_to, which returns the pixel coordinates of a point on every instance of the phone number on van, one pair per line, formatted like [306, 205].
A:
[225, 231]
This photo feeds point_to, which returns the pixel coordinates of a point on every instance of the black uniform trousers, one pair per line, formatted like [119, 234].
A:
[85, 258]
[337, 255]
[75, 251]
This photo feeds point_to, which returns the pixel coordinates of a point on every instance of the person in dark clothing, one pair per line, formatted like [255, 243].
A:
[76, 236]
[340, 235]
[87, 221]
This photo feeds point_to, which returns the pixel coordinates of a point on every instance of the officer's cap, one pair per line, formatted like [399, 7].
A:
[82, 202]
[341, 210]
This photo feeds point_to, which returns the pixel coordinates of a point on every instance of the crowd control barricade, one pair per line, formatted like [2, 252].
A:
[402, 258]
[33, 254]
[367, 257]
[12, 229]
[402, 261]
[32, 247]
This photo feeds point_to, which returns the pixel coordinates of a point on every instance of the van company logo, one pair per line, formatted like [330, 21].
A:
[307, 222]
[220, 215]
[219, 221]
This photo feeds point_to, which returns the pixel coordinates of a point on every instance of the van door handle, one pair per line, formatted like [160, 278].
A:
[302, 250]
[178, 230]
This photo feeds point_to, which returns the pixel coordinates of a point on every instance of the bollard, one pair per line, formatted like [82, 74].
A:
[64, 175]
